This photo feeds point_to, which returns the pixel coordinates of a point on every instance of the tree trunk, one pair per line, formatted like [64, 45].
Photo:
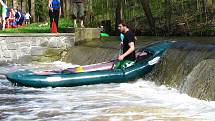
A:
[23, 6]
[66, 7]
[33, 11]
[15, 4]
[204, 6]
[168, 14]
[29, 6]
[118, 14]
[146, 7]
[63, 12]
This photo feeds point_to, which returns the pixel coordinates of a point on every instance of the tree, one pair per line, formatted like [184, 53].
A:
[118, 13]
[168, 14]
[66, 7]
[146, 7]
[31, 9]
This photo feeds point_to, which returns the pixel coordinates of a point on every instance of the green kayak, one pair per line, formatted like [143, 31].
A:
[99, 73]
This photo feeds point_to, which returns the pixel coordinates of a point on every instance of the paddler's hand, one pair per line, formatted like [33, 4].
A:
[121, 57]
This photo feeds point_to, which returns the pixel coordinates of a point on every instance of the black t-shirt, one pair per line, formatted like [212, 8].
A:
[128, 37]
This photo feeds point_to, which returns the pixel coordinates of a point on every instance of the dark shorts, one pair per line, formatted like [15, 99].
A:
[78, 10]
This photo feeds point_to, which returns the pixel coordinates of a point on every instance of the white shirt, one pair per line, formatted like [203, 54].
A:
[27, 16]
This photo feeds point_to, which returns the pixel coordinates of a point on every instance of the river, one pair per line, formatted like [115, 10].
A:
[140, 100]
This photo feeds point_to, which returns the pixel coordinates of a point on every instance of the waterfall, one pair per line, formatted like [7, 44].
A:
[189, 67]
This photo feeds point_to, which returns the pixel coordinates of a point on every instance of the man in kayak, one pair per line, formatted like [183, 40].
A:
[127, 57]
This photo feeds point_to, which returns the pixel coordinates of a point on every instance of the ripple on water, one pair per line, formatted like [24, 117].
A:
[140, 113]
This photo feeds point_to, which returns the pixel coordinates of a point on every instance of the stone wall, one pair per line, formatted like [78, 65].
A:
[86, 33]
[29, 47]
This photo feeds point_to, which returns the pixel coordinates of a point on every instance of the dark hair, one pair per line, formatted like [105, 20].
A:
[123, 23]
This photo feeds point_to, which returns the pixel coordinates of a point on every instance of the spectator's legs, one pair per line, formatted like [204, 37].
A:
[81, 13]
[56, 17]
[75, 13]
[8, 23]
[82, 23]
[21, 21]
[27, 21]
[51, 16]
[75, 23]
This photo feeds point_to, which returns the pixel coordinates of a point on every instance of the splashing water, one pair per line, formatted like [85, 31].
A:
[141, 100]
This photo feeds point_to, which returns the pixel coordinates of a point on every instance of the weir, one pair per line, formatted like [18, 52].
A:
[189, 67]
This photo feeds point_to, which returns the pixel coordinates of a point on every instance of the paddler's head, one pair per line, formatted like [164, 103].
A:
[122, 27]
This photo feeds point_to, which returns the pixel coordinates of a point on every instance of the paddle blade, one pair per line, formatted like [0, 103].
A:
[54, 27]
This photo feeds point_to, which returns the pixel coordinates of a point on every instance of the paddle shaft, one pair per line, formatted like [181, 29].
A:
[121, 49]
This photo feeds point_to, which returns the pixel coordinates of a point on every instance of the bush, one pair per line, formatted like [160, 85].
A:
[40, 27]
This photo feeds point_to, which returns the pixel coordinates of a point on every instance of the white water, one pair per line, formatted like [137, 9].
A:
[138, 101]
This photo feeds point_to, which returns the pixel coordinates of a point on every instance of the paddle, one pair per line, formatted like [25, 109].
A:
[121, 43]
[115, 61]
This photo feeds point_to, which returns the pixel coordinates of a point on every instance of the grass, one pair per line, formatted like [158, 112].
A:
[40, 27]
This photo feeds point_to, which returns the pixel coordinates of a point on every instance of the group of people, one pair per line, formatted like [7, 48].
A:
[15, 18]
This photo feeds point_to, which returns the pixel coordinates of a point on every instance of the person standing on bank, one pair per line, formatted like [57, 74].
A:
[54, 11]
[27, 18]
[127, 58]
[78, 11]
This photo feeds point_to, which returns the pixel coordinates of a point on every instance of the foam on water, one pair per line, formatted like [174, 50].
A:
[115, 101]
[171, 98]
[141, 101]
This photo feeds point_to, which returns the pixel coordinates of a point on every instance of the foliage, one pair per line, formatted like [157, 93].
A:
[41, 10]
[172, 17]
[39, 27]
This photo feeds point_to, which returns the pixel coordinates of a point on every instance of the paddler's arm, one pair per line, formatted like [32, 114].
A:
[129, 51]
[60, 12]
[50, 5]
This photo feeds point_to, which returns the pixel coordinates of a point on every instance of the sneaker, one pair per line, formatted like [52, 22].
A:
[82, 25]
[75, 26]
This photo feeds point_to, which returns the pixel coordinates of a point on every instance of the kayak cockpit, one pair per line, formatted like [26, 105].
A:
[140, 56]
